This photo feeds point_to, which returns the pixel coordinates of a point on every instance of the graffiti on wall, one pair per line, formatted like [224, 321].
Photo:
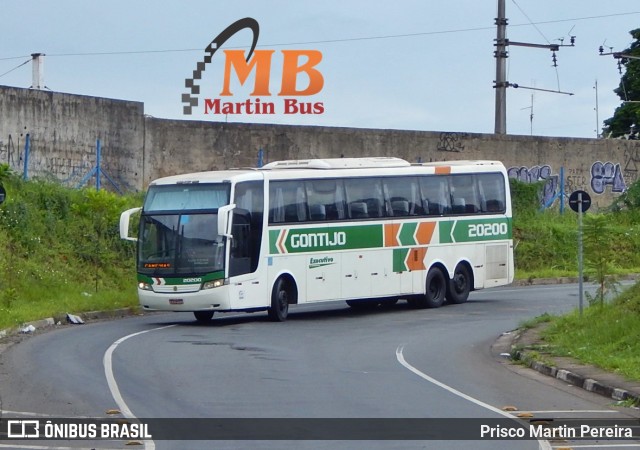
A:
[452, 142]
[67, 171]
[10, 153]
[607, 174]
[535, 174]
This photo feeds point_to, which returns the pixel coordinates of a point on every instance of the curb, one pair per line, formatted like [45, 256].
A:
[575, 379]
[62, 319]
[564, 280]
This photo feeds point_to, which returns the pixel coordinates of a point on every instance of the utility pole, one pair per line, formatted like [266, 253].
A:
[597, 112]
[501, 70]
[37, 70]
[501, 54]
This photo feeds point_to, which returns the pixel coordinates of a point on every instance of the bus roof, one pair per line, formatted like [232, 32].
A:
[461, 162]
[322, 168]
[210, 177]
[338, 163]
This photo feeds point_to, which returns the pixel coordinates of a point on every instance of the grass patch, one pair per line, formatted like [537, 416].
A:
[60, 251]
[532, 323]
[546, 242]
[606, 335]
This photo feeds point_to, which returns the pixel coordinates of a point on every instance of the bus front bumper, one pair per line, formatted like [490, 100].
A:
[216, 299]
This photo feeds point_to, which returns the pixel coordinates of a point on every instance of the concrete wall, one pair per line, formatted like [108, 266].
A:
[138, 149]
[63, 131]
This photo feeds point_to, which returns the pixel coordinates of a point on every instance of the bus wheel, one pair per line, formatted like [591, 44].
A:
[203, 316]
[459, 285]
[435, 290]
[280, 297]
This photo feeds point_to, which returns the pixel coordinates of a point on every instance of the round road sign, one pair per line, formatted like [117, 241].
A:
[578, 198]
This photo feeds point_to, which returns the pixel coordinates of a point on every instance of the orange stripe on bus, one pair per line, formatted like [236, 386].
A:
[443, 170]
[415, 258]
[391, 234]
[424, 233]
[281, 239]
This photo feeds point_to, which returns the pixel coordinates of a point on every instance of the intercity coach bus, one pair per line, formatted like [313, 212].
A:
[366, 230]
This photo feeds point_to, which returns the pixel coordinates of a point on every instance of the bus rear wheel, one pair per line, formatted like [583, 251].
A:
[459, 285]
[435, 290]
[203, 316]
[281, 296]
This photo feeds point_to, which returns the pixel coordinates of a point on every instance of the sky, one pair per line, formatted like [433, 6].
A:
[410, 65]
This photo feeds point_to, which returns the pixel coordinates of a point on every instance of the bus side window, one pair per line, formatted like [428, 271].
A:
[364, 197]
[464, 195]
[325, 199]
[436, 200]
[403, 196]
[288, 202]
[492, 194]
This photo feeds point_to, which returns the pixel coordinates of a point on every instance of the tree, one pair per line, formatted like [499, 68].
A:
[627, 114]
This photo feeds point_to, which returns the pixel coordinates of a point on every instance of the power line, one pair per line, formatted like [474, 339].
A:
[531, 22]
[334, 41]
[16, 67]
[15, 57]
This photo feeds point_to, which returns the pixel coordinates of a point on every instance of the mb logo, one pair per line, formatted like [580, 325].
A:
[23, 429]
[259, 62]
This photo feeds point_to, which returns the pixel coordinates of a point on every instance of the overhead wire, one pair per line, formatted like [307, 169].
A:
[333, 41]
[16, 67]
[543, 37]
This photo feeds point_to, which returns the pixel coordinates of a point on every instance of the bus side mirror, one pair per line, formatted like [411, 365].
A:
[224, 220]
[124, 224]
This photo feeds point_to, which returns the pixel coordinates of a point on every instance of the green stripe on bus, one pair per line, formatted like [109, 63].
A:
[273, 240]
[303, 240]
[472, 230]
[399, 258]
[407, 232]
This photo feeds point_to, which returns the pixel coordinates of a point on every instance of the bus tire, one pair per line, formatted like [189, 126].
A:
[434, 292]
[203, 316]
[460, 285]
[281, 296]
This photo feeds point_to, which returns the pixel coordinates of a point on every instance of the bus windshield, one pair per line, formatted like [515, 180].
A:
[179, 230]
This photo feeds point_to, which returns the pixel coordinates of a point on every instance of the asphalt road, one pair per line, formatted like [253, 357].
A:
[326, 361]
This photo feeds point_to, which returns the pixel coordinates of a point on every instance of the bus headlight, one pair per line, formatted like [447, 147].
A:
[145, 286]
[212, 284]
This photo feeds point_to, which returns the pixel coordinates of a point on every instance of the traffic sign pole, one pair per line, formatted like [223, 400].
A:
[580, 202]
[580, 294]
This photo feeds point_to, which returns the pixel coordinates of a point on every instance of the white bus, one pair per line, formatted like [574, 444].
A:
[366, 230]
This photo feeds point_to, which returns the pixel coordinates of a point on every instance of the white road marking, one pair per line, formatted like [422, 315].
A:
[543, 444]
[113, 385]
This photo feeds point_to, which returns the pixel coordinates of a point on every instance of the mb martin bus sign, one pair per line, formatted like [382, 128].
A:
[297, 66]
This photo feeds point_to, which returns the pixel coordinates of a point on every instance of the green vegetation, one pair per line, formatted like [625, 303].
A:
[61, 251]
[628, 113]
[546, 242]
[607, 335]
